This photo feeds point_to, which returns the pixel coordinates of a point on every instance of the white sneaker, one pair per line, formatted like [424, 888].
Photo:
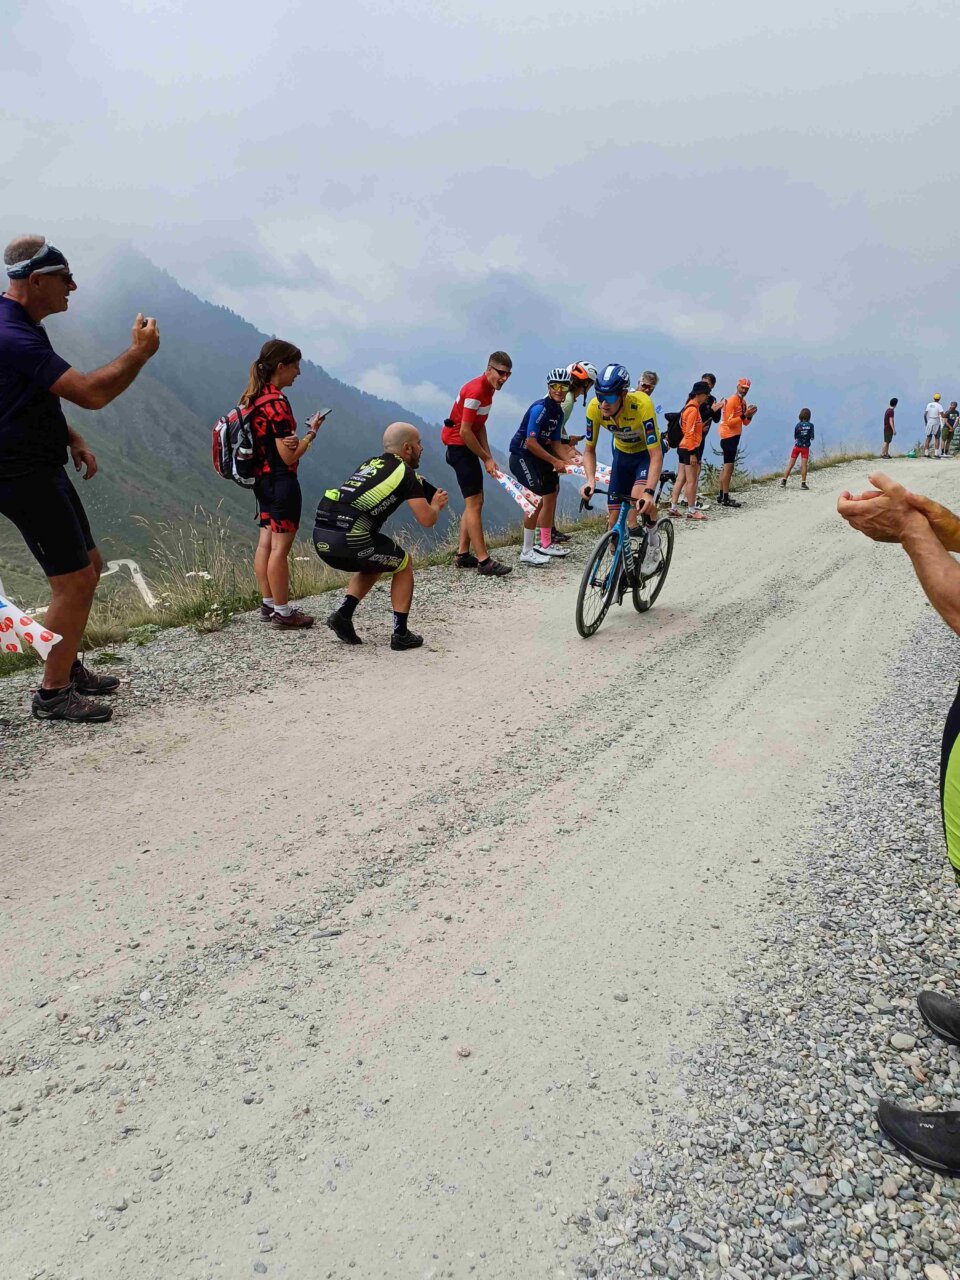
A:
[651, 557]
[533, 558]
[552, 550]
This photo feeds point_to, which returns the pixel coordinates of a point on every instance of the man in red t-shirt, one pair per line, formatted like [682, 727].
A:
[468, 452]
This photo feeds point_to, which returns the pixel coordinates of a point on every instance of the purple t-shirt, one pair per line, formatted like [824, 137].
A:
[888, 418]
[33, 430]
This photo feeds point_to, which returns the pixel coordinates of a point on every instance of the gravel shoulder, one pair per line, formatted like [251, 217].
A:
[350, 963]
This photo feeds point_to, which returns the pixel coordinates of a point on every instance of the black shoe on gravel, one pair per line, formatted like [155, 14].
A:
[557, 536]
[343, 628]
[464, 560]
[70, 705]
[89, 684]
[408, 640]
[491, 568]
[730, 502]
[929, 1138]
[941, 1014]
[265, 614]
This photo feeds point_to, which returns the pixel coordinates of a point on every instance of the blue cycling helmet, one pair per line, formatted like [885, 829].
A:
[614, 379]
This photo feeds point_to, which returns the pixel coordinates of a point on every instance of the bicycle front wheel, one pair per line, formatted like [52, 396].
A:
[646, 589]
[598, 584]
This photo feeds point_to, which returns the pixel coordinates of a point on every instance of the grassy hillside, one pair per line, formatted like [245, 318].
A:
[153, 444]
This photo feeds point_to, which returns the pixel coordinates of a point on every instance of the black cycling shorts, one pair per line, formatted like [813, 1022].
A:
[468, 467]
[359, 551]
[535, 474]
[690, 455]
[47, 510]
[279, 501]
[730, 445]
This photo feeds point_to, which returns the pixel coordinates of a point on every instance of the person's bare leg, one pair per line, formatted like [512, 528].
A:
[546, 512]
[278, 566]
[260, 559]
[679, 484]
[71, 595]
[726, 474]
[786, 474]
[361, 584]
[473, 519]
[803, 471]
[401, 588]
[693, 475]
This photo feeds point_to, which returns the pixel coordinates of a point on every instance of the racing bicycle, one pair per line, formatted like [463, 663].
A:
[614, 569]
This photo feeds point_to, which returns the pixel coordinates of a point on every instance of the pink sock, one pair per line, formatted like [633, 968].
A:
[546, 537]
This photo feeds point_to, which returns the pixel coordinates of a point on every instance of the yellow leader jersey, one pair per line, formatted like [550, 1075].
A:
[634, 429]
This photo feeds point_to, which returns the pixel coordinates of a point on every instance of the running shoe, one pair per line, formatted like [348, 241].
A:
[701, 505]
[491, 568]
[941, 1014]
[70, 705]
[560, 537]
[266, 613]
[696, 515]
[408, 640]
[929, 1138]
[295, 620]
[783, 483]
[804, 486]
[729, 502]
[683, 503]
[552, 551]
[342, 627]
[89, 684]
[464, 560]
[534, 558]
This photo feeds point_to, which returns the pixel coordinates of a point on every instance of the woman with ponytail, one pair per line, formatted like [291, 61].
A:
[276, 455]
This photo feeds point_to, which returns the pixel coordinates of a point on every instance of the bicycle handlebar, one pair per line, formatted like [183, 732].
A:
[605, 493]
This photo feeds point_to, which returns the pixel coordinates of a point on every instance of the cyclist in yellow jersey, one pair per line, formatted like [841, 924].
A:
[631, 419]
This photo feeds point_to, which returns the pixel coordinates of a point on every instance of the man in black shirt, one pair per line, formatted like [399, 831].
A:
[347, 530]
[35, 490]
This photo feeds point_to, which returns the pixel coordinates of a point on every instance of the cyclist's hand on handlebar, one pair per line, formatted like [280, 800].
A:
[646, 505]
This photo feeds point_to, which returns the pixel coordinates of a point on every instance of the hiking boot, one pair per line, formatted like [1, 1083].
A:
[89, 684]
[804, 485]
[70, 705]
[929, 1138]
[464, 560]
[729, 502]
[266, 613]
[941, 1014]
[783, 483]
[295, 620]
[533, 557]
[552, 551]
[406, 640]
[557, 536]
[342, 628]
[491, 568]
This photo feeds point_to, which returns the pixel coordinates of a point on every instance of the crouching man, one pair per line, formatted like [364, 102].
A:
[347, 534]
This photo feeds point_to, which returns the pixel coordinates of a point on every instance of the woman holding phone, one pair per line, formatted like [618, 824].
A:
[276, 456]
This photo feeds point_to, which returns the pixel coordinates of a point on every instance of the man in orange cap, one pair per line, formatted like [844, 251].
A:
[736, 414]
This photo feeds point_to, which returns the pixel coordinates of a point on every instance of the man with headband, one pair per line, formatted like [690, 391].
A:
[36, 493]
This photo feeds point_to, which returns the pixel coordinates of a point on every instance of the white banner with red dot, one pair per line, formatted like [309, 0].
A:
[17, 629]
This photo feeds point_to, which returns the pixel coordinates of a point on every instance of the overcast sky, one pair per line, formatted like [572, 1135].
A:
[399, 188]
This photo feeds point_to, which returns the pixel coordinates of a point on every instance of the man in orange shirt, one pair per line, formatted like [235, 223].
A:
[736, 414]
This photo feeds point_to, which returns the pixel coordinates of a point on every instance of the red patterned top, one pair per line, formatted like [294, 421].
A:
[271, 420]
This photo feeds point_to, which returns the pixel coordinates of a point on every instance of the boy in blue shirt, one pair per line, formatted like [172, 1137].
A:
[536, 462]
[802, 440]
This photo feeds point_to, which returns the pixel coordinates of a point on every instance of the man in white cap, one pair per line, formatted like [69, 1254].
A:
[933, 420]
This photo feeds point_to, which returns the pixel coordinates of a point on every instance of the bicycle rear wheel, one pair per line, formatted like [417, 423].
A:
[598, 584]
[646, 589]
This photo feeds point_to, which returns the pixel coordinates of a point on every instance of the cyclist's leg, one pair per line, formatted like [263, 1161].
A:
[950, 785]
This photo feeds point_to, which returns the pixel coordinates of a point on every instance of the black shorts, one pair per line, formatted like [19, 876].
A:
[730, 445]
[887, 435]
[279, 501]
[690, 455]
[698, 452]
[535, 474]
[468, 467]
[359, 550]
[47, 510]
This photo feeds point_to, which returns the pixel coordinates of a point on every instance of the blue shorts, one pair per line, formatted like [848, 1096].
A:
[628, 470]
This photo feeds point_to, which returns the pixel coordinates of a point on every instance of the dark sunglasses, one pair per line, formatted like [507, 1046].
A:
[608, 397]
[504, 373]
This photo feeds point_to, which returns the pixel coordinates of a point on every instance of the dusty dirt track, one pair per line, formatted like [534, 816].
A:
[364, 973]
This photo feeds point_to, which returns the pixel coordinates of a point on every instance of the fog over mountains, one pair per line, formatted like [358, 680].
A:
[153, 443]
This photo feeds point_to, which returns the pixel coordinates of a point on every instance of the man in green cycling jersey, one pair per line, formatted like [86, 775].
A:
[347, 531]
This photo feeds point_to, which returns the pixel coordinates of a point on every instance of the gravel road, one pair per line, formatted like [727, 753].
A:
[515, 956]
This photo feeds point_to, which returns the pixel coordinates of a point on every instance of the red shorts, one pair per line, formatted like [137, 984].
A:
[799, 453]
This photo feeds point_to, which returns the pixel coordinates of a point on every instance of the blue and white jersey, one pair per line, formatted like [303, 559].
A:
[542, 422]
